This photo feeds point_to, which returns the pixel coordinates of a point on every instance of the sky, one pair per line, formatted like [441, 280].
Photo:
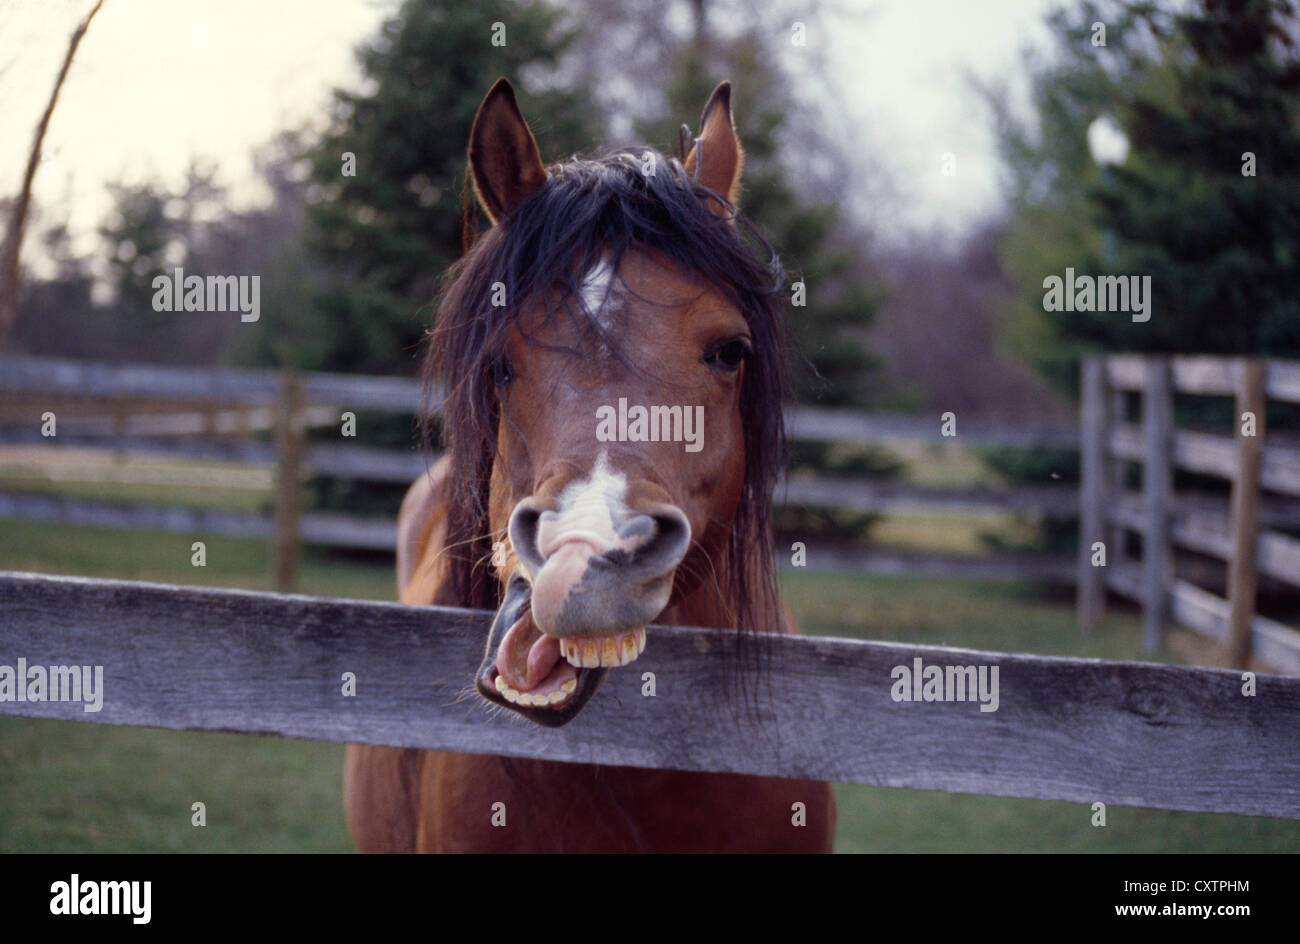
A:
[157, 83]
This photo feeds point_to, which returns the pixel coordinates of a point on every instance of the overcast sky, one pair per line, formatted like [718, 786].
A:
[157, 82]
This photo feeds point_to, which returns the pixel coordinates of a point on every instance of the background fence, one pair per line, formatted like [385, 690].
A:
[218, 414]
[1265, 479]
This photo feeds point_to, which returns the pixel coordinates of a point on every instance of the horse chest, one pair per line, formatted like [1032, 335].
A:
[476, 803]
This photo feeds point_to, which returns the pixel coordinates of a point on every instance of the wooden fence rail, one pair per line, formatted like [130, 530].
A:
[1080, 730]
[1241, 535]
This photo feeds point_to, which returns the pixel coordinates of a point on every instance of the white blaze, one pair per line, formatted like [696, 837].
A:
[598, 292]
[595, 506]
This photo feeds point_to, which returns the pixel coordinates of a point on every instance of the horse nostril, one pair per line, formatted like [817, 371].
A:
[524, 522]
[656, 540]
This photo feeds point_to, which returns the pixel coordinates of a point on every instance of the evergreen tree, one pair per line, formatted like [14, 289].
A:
[1197, 94]
[389, 225]
[1207, 203]
[1210, 206]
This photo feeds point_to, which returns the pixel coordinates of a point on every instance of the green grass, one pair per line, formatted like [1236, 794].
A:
[951, 534]
[91, 473]
[1005, 616]
[80, 787]
[944, 465]
[72, 787]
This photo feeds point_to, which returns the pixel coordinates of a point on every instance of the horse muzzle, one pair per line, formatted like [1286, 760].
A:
[592, 574]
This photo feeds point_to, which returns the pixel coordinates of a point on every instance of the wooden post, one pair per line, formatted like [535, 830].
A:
[1157, 488]
[1093, 435]
[1242, 574]
[288, 481]
[1117, 479]
[120, 414]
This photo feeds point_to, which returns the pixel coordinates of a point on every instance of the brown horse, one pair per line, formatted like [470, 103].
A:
[611, 356]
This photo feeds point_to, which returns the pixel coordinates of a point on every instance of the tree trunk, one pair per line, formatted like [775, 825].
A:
[10, 249]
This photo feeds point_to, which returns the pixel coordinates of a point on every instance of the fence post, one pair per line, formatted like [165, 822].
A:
[1093, 435]
[1157, 486]
[1242, 574]
[1117, 479]
[288, 480]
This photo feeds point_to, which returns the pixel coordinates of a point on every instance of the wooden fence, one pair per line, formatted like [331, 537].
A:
[1264, 477]
[1080, 730]
[208, 414]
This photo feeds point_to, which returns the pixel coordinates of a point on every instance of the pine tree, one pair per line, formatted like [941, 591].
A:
[1196, 94]
[1207, 203]
[387, 220]
[1210, 206]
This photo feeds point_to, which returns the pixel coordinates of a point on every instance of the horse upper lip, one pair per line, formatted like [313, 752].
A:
[598, 544]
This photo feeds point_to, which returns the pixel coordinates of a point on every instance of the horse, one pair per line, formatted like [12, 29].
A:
[627, 278]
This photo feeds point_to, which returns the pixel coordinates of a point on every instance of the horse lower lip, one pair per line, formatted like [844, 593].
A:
[533, 699]
[608, 651]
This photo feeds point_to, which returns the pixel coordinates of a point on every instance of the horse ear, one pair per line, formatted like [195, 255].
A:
[717, 150]
[503, 158]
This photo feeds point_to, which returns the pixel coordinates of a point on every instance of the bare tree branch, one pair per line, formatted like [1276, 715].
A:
[9, 251]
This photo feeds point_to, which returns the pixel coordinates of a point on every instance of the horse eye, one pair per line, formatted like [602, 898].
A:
[727, 356]
[502, 371]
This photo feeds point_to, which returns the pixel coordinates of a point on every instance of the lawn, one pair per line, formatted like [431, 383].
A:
[82, 787]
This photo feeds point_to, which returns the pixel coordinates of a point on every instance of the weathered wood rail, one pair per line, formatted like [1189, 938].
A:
[1080, 730]
[1242, 534]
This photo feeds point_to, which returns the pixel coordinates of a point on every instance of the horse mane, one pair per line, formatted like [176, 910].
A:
[587, 210]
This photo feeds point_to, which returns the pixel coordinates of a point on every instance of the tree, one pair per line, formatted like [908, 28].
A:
[1210, 206]
[388, 176]
[11, 248]
[1195, 93]
[149, 232]
[1207, 203]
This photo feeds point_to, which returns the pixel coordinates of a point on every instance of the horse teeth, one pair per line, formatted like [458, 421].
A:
[529, 700]
[612, 651]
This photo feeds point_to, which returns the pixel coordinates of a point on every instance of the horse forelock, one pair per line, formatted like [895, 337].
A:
[588, 214]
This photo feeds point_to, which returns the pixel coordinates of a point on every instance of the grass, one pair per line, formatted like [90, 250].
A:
[72, 787]
[82, 787]
[102, 475]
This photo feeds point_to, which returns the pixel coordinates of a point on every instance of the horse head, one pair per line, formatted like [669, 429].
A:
[612, 362]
